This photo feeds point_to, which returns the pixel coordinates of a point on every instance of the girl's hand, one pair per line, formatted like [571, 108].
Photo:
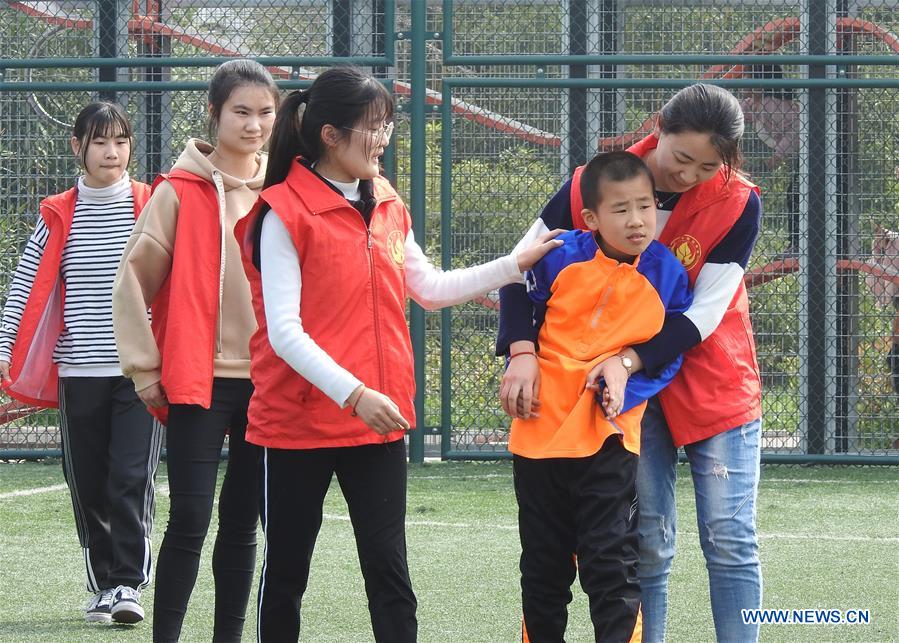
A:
[379, 412]
[534, 253]
[4, 371]
[520, 387]
[153, 396]
[615, 376]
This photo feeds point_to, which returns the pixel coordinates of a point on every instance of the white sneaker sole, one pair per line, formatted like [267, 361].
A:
[127, 612]
[98, 617]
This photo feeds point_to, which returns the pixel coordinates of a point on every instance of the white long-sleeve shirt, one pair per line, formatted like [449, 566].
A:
[282, 285]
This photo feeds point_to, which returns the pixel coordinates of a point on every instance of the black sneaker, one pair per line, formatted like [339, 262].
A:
[126, 605]
[98, 609]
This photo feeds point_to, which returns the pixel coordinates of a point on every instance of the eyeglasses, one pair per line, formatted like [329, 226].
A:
[385, 130]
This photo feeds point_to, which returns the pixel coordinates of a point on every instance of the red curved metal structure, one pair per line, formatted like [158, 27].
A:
[765, 40]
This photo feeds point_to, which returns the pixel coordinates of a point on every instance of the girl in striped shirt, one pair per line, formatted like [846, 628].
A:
[57, 349]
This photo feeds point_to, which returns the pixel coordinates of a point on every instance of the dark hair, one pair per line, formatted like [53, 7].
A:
[707, 109]
[610, 166]
[100, 119]
[228, 77]
[770, 71]
[342, 97]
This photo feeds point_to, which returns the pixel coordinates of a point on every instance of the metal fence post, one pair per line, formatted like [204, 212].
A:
[821, 345]
[417, 207]
[577, 97]
[157, 144]
[342, 27]
[109, 41]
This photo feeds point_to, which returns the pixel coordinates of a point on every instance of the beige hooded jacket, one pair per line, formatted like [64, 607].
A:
[147, 260]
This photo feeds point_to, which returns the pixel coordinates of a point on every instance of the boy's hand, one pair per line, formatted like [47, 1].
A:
[521, 383]
[535, 407]
[379, 412]
[153, 396]
[534, 253]
[4, 371]
[615, 376]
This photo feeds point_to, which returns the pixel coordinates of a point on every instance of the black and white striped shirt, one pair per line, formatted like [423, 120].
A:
[101, 225]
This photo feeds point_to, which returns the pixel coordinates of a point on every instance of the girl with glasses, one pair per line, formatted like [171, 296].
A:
[330, 255]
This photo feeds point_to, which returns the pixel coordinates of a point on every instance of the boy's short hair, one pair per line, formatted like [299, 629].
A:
[610, 166]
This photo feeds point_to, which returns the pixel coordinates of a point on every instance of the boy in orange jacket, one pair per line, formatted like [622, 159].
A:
[575, 461]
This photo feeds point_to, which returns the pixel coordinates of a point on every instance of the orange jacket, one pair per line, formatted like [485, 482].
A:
[353, 306]
[594, 307]
[33, 374]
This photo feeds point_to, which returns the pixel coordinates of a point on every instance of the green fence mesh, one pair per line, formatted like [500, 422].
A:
[823, 278]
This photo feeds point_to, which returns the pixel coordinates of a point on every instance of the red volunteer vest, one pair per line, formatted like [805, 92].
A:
[33, 374]
[185, 310]
[718, 386]
[353, 305]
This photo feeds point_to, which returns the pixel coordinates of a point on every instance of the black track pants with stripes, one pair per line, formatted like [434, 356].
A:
[110, 447]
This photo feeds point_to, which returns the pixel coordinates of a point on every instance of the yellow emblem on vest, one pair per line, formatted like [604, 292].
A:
[687, 250]
[396, 247]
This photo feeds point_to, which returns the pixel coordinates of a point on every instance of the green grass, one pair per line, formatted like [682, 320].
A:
[830, 539]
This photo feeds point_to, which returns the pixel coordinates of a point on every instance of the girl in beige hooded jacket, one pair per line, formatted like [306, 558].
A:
[192, 364]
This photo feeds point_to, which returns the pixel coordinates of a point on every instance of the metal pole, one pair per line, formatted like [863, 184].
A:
[847, 299]
[157, 106]
[446, 208]
[342, 27]
[609, 98]
[418, 78]
[107, 42]
[577, 97]
[820, 348]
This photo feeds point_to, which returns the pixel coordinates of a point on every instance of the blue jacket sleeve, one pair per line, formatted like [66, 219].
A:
[538, 283]
[680, 334]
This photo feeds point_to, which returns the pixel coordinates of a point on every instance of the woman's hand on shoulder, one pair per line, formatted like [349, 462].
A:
[153, 396]
[379, 412]
[528, 257]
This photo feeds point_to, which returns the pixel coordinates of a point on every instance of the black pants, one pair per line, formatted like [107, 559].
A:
[110, 448]
[587, 507]
[373, 481]
[194, 444]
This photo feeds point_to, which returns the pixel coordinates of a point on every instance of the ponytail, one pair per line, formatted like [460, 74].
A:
[342, 97]
[287, 140]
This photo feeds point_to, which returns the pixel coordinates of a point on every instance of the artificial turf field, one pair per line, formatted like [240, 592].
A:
[829, 539]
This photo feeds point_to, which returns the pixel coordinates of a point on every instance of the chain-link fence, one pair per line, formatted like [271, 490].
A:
[498, 101]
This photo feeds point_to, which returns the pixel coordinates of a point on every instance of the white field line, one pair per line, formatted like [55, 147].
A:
[822, 481]
[161, 489]
[764, 480]
[164, 490]
[31, 492]
[472, 526]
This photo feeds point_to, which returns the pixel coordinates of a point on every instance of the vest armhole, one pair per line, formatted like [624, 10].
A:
[264, 209]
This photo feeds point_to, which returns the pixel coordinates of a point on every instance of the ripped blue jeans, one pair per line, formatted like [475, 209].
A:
[725, 471]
